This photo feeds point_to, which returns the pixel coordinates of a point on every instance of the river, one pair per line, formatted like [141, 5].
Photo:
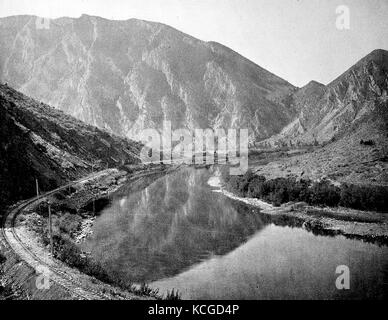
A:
[178, 233]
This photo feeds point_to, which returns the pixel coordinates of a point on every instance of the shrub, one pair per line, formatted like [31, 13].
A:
[68, 252]
[173, 295]
[282, 190]
[146, 290]
[240, 184]
[256, 187]
[324, 193]
[2, 258]
[365, 197]
[279, 190]
[69, 223]
[245, 181]
[367, 142]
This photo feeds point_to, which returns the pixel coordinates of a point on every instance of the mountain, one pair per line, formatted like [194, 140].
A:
[40, 142]
[327, 112]
[128, 75]
[358, 156]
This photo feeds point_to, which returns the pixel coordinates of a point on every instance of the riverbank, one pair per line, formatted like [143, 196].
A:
[73, 212]
[351, 223]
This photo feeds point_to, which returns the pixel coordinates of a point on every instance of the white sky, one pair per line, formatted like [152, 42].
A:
[295, 39]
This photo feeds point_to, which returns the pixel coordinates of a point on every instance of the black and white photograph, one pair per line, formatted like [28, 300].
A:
[193, 150]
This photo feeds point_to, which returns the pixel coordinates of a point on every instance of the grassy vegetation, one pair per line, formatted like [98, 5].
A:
[323, 193]
[6, 291]
[67, 251]
[65, 225]
[173, 295]
[146, 290]
[342, 216]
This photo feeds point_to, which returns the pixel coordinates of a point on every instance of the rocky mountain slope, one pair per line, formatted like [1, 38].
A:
[128, 75]
[40, 142]
[327, 112]
[358, 156]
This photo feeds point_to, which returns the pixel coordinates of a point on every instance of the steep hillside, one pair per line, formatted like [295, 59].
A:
[325, 112]
[359, 156]
[128, 75]
[40, 142]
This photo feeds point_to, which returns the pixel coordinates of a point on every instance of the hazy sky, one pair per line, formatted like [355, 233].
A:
[296, 39]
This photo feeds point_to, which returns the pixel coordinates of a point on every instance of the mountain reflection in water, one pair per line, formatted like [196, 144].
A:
[167, 227]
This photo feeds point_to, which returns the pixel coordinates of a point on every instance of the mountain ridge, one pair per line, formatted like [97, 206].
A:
[325, 112]
[126, 75]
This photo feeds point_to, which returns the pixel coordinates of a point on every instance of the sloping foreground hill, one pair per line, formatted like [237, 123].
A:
[358, 156]
[40, 142]
[326, 112]
[125, 76]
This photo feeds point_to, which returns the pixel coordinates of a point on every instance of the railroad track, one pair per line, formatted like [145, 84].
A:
[61, 278]
[13, 241]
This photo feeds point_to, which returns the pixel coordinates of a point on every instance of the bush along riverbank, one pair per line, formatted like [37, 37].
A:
[316, 193]
[315, 206]
[73, 211]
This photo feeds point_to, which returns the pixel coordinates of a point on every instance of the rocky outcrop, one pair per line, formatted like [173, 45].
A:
[128, 75]
[40, 142]
[325, 112]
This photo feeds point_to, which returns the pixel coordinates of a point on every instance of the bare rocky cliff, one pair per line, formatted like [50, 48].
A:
[128, 75]
[326, 112]
[125, 76]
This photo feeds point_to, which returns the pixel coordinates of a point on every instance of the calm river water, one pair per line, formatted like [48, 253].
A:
[178, 233]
